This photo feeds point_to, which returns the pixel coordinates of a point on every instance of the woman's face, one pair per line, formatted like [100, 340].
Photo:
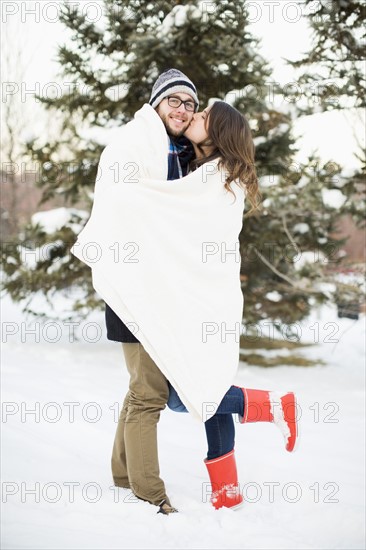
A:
[196, 131]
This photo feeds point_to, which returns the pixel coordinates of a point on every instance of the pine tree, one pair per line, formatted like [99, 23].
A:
[332, 76]
[333, 72]
[113, 66]
[334, 68]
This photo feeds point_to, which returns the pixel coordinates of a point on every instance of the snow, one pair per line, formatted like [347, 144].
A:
[31, 256]
[117, 92]
[352, 278]
[328, 289]
[268, 181]
[55, 219]
[178, 17]
[301, 228]
[259, 140]
[223, 68]
[212, 100]
[279, 129]
[310, 257]
[333, 198]
[274, 296]
[312, 499]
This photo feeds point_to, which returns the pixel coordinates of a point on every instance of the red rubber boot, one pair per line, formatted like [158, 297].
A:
[224, 481]
[266, 406]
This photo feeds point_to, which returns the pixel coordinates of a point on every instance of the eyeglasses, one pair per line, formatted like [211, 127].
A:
[175, 102]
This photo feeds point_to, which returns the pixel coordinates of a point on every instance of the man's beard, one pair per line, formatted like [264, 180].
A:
[172, 131]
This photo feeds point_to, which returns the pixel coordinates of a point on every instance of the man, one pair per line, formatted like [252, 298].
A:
[135, 462]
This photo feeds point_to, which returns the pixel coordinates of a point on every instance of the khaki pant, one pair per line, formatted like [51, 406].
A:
[135, 461]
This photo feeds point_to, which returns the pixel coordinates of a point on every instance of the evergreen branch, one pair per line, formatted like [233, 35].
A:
[290, 238]
[275, 270]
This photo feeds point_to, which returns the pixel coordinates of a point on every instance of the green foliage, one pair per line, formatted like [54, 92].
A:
[337, 53]
[288, 249]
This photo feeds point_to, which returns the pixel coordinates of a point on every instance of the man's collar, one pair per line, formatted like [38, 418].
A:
[180, 141]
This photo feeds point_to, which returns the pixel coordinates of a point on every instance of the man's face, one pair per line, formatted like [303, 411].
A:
[175, 119]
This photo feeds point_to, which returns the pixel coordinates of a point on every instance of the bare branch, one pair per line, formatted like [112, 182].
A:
[290, 238]
[275, 270]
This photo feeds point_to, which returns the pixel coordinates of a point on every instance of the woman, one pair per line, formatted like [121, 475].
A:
[221, 132]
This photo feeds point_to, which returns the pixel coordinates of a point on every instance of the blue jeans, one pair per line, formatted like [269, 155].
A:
[220, 431]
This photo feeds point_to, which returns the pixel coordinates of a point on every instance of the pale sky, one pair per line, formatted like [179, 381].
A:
[279, 25]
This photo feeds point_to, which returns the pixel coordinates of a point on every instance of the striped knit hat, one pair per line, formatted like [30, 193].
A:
[170, 82]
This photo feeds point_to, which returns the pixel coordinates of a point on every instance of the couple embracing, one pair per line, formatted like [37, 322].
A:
[167, 213]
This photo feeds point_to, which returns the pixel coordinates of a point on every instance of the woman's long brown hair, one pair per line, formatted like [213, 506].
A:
[230, 137]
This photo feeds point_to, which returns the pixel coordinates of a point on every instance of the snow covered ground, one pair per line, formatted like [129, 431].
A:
[60, 401]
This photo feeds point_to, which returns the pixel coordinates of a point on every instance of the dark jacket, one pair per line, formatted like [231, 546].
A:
[116, 329]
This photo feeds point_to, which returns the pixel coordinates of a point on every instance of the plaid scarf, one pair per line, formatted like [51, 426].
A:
[180, 154]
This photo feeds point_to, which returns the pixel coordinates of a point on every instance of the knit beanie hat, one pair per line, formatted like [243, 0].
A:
[170, 82]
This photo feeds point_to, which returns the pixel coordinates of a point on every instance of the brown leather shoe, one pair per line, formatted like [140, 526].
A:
[165, 508]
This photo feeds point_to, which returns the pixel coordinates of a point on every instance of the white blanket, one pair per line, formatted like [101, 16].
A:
[165, 256]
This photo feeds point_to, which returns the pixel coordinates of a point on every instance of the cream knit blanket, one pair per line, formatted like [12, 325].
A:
[165, 256]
